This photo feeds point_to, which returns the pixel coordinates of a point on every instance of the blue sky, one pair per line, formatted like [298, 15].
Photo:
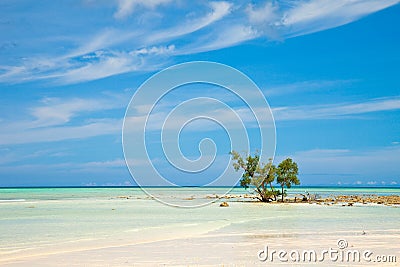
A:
[329, 70]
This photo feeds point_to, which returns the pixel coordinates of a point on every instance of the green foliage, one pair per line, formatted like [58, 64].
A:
[245, 181]
[260, 176]
[256, 174]
[286, 174]
[249, 166]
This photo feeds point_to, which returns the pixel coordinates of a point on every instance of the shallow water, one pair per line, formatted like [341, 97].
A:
[56, 218]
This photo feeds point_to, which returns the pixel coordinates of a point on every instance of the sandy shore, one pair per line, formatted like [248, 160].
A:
[233, 241]
[212, 250]
[348, 200]
[125, 227]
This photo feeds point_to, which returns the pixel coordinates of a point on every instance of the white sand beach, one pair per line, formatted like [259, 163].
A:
[137, 231]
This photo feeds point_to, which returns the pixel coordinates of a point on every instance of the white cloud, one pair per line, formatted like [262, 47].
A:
[311, 16]
[15, 155]
[265, 18]
[8, 72]
[226, 36]
[305, 86]
[229, 119]
[335, 111]
[107, 66]
[100, 41]
[160, 50]
[113, 168]
[50, 121]
[116, 48]
[52, 114]
[265, 14]
[103, 62]
[53, 134]
[127, 7]
[140, 37]
[367, 164]
[109, 163]
[218, 11]
[55, 111]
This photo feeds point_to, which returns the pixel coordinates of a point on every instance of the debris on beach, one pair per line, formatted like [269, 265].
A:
[343, 200]
[123, 197]
[224, 204]
[368, 199]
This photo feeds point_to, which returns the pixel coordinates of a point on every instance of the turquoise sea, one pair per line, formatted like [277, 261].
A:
[67, 193]
[38, 220]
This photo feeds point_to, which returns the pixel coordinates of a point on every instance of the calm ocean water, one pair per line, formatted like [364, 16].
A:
[55, 218]
[68, 193]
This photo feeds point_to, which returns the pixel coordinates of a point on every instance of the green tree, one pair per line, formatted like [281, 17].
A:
[286, 174]
[256, 174]
[264, 177]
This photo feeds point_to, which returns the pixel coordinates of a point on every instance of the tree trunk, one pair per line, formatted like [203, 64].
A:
[264, 198]
[282, 192]
[272, 189]
[260, 194]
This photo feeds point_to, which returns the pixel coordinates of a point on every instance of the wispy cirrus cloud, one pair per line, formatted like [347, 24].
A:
[55, 111]
[336, 111]
[113, 49]
[51, 120]
[226, 36]
[218, 11]
[332, 164]
[115, 171]
[230, 116]
[55, 119]
[311, 16]
[305, 86]
[127, 7]
[95, 127]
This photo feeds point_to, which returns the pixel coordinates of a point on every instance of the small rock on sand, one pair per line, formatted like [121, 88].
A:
[224, 204]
